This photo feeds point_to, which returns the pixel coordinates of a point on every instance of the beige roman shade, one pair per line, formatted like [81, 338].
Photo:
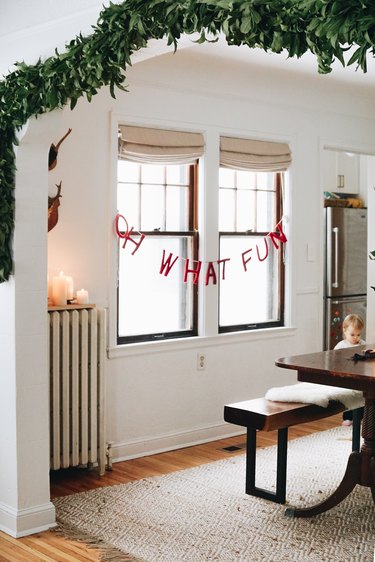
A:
[146, 145]
[258, 156]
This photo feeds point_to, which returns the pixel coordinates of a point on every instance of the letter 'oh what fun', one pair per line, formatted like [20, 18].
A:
[194, 267]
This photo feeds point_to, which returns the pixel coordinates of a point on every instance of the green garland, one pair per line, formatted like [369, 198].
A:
[325, 27]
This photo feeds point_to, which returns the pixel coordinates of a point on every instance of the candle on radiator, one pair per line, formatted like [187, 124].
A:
[59, 289]
[82, 297]
[69, 281]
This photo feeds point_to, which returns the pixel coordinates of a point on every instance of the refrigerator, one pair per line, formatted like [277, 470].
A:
[345, 271]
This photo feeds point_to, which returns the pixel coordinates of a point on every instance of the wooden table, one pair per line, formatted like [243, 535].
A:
[337, 368]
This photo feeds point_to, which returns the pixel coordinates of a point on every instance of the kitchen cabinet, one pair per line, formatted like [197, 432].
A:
[340, 172]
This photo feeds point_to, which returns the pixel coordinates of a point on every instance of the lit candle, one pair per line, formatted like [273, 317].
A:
[59, 290]
[82, 297]
[69, 281]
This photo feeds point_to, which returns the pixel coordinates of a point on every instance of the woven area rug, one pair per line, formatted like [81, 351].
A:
[202, 514]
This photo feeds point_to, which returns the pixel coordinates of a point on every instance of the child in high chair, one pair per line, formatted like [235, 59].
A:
[352, 328]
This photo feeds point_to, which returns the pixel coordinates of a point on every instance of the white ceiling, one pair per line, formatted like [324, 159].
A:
[30, 29]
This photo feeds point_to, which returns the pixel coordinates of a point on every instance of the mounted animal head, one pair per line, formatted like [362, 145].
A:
[53, 151]
[53, 206]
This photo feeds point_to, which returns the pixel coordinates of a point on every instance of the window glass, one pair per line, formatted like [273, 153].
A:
[128, 203]
[150, 303]
[177, 208]
[155, 300]
[251, 295]
[152, 207]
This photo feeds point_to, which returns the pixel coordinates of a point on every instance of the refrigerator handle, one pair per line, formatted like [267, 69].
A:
[335, 231]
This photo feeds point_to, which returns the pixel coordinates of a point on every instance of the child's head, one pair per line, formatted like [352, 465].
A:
[352, 328]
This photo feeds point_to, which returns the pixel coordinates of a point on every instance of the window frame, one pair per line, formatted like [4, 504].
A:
[191, 233]
[278, 194]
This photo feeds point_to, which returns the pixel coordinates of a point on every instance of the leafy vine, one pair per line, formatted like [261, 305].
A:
[327, 28]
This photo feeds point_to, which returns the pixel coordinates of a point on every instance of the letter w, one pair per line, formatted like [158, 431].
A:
[166, 264]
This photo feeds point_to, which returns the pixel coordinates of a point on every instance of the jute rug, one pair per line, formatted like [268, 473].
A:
[202, 514]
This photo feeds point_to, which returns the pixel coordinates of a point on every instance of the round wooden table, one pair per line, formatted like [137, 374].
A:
[337, 368]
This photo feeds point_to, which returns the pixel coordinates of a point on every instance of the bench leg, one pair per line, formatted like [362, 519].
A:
[282, 448]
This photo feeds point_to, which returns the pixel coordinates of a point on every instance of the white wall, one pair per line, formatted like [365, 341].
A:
[25, 504]
[156, 397]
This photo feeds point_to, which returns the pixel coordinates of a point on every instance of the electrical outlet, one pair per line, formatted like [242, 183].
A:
[201, 361]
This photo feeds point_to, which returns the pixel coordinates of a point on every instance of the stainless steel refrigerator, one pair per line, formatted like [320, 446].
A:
[345, 273]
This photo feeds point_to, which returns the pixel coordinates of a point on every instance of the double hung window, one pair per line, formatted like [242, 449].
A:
[250, 227]
[158, 237]
[250, 208]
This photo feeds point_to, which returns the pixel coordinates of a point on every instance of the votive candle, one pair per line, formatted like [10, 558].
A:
[82, 297]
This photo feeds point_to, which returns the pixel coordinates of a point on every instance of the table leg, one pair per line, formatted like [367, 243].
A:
[351, 478]
[360, 468]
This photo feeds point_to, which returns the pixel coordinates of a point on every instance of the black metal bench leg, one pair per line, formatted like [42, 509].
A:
[282, 449]
[356, 429]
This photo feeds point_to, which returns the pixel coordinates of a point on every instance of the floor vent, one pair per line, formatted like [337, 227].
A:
[233, 448]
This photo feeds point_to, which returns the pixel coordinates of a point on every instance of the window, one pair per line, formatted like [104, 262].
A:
[250, 207]
[158, 203]
[157, 225]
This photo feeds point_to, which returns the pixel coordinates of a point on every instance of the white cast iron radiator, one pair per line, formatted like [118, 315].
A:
[77, 346]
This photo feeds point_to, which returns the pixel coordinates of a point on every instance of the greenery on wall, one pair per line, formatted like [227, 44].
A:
[327, 28]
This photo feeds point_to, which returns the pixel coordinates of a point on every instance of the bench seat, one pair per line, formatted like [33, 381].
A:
[261, 414]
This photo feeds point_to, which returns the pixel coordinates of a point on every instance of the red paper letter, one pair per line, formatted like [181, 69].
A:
[195, 271]
[211, 273]
[126, 235]
[243, 258]
[259, 258]
[278, 235]
[223, 262]
[166, 264]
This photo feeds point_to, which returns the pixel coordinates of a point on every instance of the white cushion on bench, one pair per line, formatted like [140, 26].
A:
[309, 393]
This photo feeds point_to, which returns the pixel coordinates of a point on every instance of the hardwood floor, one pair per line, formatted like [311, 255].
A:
[50, 547]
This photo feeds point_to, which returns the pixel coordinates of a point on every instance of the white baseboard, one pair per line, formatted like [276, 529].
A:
[22, 522]
[169, 442]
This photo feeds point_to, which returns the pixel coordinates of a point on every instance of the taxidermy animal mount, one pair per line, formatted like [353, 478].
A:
[53, 151]
[53, 208]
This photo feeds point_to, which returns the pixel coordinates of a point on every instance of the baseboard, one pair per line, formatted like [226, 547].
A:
[22, 522]
[169, 442]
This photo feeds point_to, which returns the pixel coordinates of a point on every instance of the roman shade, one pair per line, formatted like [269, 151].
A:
[255, 155]
[159, 146]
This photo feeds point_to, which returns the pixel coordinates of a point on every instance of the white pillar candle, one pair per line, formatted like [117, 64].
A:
[59, 290]
[69, 281]
[82, 297]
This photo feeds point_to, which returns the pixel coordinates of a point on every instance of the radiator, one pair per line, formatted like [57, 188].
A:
[77, 346]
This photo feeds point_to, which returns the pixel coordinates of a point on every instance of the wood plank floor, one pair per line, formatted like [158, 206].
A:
[49, 547]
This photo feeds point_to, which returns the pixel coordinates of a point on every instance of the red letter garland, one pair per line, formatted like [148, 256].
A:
[167, 263]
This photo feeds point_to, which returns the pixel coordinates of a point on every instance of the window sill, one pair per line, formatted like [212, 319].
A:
[142, 348]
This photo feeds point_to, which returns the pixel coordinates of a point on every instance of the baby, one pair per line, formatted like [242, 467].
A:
[352, 329]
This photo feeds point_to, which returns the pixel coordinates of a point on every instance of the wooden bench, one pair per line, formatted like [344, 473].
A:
[265, 415]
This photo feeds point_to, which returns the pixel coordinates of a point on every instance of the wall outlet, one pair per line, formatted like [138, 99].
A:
[201, 361]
